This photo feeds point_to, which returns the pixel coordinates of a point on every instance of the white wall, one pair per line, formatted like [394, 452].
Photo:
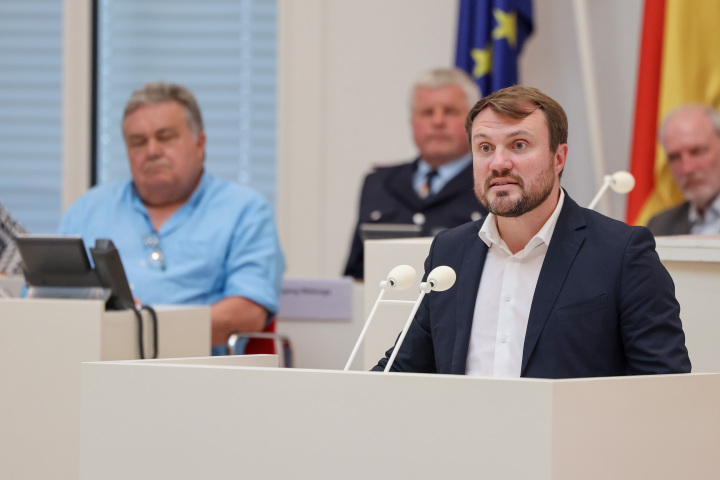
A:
[346, 68]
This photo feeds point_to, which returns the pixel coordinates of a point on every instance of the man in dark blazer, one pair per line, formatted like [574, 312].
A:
[433, 192]
[544, 287]
[690, 136]
[673, 221]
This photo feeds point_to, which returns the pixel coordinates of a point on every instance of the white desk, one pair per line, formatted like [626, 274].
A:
[694, 263]
[42, 344]
[210, 420]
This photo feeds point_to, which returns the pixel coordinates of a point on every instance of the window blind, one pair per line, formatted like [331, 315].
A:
[31, 112]
[224, 51]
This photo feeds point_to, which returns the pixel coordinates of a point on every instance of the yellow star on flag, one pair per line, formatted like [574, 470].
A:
[506, 26]
[483, 61]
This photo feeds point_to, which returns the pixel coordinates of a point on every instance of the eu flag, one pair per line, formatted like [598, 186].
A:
[491, 34]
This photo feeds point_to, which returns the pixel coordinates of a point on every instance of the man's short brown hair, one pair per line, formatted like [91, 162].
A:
[518, 102]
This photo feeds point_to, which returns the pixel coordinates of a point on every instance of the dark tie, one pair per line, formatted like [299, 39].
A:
[426, 188]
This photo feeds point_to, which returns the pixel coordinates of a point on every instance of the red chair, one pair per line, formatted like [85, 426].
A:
[266, 342]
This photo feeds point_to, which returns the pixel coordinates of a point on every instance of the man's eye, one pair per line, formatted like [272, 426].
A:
[165, 137]
[484, 148]
[697, 151]
[520, 145]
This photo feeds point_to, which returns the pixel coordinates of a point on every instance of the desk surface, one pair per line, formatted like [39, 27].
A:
[689, 248]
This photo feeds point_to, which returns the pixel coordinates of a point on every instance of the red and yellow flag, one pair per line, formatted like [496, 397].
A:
[679, 63]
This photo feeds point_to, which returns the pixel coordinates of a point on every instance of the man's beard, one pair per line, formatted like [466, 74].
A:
[531, 198]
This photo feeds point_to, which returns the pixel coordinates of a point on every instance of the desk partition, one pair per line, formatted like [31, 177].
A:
[42, 345]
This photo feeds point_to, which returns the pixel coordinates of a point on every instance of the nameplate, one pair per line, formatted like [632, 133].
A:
[316, 299]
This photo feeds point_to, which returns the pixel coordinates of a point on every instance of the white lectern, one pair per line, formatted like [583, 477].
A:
[42, 345]
[224, 420]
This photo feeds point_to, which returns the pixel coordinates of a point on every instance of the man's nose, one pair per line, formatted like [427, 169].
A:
[686, 164]
[438, 116]
[153, 148]
[501, 160]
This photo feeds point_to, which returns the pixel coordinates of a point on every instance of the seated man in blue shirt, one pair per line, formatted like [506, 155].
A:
[184, 236]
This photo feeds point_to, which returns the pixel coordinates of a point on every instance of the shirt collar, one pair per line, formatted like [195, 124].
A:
[711, 213]
[489, 233]
[446, 170]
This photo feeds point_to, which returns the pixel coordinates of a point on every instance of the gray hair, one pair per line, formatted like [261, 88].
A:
[160, 92]
[442, 77]
[709, 111]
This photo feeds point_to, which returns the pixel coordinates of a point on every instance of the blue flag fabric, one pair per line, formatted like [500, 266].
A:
[491, 34]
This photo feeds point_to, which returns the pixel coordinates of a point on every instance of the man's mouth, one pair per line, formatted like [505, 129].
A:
[502, 183]
[156, 165]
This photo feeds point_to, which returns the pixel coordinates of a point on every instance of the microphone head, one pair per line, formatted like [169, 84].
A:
[622, 182]
[401, 277]
[441, 278]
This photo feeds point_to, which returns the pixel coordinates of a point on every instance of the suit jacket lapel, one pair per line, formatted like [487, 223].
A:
[682, 223]
[567, 238]
[467, 283]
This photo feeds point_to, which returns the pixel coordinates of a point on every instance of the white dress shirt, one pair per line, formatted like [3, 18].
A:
[708, 223]
[504, 298]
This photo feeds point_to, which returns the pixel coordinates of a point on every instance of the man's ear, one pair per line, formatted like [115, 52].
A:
[560, 157]
[200, 142]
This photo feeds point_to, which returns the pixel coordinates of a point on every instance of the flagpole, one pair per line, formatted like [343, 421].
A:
[582, 27]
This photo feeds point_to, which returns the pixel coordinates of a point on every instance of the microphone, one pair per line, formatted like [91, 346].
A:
[620, 182]
[439, 279]
[399, 278]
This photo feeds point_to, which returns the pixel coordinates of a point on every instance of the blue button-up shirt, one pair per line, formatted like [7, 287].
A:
[221, 243]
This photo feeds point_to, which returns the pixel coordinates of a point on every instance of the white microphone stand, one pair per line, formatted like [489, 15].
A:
[620, 182]
[399, 278]
[440, 279]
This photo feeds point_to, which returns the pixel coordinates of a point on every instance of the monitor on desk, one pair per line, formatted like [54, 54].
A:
[58, 266]
[56, 261]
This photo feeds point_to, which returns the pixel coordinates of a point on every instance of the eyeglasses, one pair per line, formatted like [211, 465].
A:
[156, 257]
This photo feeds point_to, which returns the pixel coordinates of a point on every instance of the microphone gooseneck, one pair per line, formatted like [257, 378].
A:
[399, 278]
[438, 280]
[621, 182]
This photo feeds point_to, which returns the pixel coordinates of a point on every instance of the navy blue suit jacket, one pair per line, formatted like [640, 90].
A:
[604, 305]
[388, 196]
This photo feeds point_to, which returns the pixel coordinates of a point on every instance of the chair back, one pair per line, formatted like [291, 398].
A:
[263, 345]
[265, 342]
